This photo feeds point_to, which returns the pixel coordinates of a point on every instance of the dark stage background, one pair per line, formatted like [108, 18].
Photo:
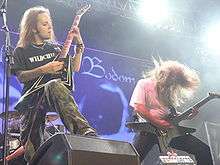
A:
[117, 51]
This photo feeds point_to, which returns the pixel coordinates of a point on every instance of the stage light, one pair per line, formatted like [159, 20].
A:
[153, 11]
[212, 38]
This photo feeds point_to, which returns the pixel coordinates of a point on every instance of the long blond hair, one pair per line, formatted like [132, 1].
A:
[175, 82]
[28, 23]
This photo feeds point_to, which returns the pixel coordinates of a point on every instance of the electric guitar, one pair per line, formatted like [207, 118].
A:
[165, 135]
[66, 73]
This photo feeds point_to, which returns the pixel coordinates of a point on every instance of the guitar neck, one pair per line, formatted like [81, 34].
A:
[202, 102]
[69, 38]
[185, 114]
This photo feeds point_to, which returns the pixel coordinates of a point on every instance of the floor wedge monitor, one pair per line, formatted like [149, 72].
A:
[64, 149]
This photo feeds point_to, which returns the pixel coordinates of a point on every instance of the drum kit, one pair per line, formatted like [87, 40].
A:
[14, 121]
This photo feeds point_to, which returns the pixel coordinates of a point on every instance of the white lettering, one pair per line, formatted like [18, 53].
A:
[92, 66]
[41, 57]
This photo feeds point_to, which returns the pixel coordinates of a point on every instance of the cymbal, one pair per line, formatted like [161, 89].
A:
[11, 115]
[51, 117]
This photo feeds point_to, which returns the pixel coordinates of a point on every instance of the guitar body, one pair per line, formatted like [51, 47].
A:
[65, 76]
[164, 135]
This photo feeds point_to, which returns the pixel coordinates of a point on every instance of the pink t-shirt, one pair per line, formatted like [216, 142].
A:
[145, 93]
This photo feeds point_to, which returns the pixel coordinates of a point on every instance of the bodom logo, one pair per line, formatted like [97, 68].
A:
[93, 66]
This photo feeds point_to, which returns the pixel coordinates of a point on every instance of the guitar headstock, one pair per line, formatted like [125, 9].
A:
[83, 9]
[214, 95]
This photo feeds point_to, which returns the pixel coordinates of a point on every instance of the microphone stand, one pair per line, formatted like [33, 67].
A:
[7, 65]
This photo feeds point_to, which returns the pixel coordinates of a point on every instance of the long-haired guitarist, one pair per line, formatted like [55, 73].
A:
[34, 57]
[156, 96]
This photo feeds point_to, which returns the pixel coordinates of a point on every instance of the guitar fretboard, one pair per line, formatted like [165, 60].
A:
[71, 33]
[185, 114]
[69, 38]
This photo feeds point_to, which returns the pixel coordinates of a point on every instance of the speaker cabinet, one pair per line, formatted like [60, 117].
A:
[64, 149]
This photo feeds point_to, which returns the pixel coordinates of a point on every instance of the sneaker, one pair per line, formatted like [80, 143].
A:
[91, 134]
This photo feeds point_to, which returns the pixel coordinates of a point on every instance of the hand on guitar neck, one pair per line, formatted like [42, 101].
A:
[156, 119]
[76, 35]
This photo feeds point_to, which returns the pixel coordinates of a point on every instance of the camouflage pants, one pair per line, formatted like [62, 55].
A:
[55, 96]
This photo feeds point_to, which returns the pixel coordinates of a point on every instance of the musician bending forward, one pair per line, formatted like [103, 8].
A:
[33, 57]
[164, 88]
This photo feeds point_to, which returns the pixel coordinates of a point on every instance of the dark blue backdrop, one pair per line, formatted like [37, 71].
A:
[103, 88]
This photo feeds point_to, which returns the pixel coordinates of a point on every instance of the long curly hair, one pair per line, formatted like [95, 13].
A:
[28, 23]
[175, 82]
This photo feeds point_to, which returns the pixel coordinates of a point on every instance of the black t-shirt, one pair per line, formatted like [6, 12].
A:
[33, 56]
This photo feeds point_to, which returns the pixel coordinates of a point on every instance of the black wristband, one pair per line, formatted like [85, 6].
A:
[79, 48]
[80, 45]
